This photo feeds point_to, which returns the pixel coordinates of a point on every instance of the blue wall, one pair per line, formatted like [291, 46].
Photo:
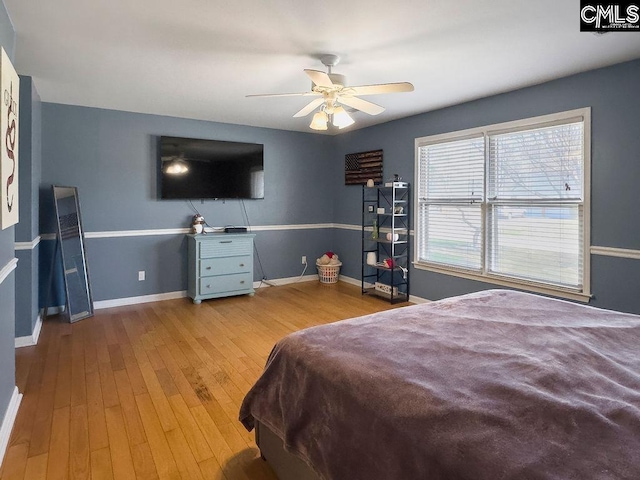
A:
[7, 287]
[611, 92]
[27, 230]
[111, 157]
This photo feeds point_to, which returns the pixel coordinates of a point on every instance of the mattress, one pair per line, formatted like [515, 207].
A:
[491, 385]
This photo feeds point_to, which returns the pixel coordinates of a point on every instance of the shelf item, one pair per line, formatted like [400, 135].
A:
[220, 265]
[385, 233]
[388, 242]
[396, 185]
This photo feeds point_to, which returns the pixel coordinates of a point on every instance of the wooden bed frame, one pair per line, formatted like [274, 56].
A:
[286, 465]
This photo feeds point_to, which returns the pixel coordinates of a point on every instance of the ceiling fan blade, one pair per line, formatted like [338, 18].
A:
[310, 107]
[362, 105]
[319, 78]
[381, 88]
[303, 94]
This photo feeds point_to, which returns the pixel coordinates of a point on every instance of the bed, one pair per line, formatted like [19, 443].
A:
[492, 385]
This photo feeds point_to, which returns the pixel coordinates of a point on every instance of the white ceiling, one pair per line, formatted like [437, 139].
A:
[199, 58]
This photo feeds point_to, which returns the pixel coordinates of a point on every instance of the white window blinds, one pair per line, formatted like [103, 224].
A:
[451, 191]
[507, 203]
[535, 203]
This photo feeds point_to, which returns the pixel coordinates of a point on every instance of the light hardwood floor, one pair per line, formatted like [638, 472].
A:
[153, 391]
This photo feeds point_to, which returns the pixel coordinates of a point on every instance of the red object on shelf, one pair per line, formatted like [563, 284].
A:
[389, 262]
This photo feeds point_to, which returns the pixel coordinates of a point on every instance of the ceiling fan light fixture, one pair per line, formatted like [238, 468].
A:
[331, 91]
[329, 108]
[319, 121]
[341, 118]
[176, 167]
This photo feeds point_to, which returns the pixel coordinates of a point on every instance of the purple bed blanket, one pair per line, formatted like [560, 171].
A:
[492, 385]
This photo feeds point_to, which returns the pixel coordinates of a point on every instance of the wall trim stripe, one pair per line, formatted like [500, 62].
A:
[300, 226]
[184, 231]
[8, 421]
[28, 245]
[347, 226]
[616, 252]
[137, 233]
[594, 250]
[8, 268]
[30, 340]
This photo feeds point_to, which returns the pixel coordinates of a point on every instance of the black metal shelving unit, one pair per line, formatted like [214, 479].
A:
[379, 279]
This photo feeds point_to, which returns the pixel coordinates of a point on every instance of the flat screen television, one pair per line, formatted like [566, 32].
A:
[191, 168]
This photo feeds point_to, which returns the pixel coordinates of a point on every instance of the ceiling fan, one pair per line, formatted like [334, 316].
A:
[333, 93]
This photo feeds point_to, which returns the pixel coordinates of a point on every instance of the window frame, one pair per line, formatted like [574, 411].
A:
[570, 116]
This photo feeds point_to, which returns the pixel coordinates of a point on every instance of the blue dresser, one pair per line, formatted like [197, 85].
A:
[220, 265]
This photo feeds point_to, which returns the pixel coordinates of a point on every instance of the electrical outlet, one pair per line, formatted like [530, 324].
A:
[304, 259]
[142, 275]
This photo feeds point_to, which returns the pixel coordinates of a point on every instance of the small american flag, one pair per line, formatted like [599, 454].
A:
[360, 167]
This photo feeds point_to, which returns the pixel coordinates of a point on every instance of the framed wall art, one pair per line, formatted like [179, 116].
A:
[9, 106]
[363, 166]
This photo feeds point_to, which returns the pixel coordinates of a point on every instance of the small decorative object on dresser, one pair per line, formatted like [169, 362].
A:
[197, 224]
[220, 265]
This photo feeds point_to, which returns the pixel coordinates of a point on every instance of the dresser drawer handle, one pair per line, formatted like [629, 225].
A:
[208, 268]
[241, 282]
[226, 241]
[242, 264]
[208, 286]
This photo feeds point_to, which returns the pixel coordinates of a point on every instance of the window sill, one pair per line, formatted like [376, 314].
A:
[560, 292]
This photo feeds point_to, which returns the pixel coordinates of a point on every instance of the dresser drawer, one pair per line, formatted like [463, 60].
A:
[225, 265]
[226, 283]
[226, 247]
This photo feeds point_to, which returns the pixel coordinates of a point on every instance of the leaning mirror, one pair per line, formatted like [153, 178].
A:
[70, 239]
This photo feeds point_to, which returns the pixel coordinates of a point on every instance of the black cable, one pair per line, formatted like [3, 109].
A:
[193, 208]
[198, 213]
[255, 247]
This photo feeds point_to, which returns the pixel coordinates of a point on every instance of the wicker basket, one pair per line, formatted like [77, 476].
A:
[328, 273]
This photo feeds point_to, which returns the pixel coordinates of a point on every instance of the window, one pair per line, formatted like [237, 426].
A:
[508, 204]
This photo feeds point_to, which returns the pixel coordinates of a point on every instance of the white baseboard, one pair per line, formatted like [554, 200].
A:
[350, 280]
[418, 300]
[55, 310]
[120, 302]
[31, 340]
[358, 283]
[8, 421]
